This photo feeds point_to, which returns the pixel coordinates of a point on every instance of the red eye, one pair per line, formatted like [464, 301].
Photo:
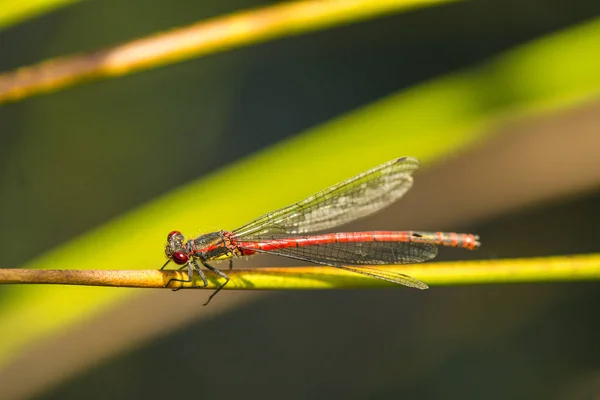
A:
[173, 233]
[180, 258]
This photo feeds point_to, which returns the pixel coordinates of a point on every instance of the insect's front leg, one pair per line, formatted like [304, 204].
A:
[197, 267]
[190, 275]
[190, 270]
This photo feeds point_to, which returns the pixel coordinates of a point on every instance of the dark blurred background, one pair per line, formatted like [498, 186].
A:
[74, 159]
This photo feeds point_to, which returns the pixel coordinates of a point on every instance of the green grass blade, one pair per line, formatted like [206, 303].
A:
[207, 37]
[428, 121]
[13, 12]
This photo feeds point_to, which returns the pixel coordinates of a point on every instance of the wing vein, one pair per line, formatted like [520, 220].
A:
[355, 198]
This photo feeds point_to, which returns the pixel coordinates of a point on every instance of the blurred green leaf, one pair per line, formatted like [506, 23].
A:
[13, 12]
[429, 121]
[206, 37]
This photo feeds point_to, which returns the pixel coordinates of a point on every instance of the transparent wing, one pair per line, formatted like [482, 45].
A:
[352, 253]
[360, 257]
[389, 276]
[347, 201]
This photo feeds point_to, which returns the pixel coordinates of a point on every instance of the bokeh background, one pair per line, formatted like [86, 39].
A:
[499, 99]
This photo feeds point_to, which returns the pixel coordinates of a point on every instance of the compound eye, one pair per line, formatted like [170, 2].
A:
[180, 258]
[173, 234]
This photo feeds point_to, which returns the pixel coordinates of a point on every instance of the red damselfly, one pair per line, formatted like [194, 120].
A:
[285, 232]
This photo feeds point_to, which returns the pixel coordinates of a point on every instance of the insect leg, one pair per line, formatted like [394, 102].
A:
[190, 273]
[221, 274]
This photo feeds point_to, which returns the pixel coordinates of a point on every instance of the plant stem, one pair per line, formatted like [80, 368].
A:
[546, 269]
[206, 37]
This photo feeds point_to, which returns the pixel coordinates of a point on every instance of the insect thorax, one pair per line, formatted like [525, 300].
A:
[213, 246]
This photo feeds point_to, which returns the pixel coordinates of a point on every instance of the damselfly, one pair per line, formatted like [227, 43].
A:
[285, 232]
